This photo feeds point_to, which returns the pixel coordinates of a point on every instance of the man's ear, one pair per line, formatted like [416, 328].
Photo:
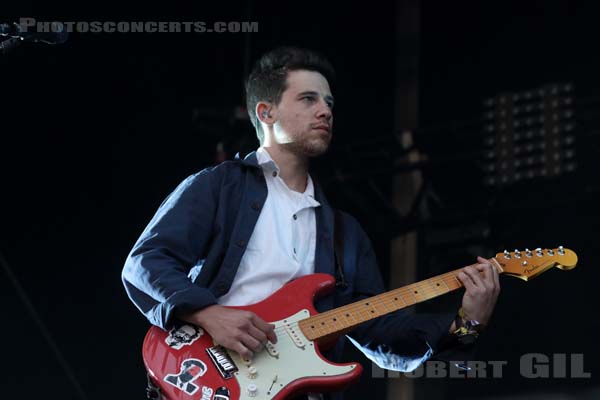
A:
[263, 112]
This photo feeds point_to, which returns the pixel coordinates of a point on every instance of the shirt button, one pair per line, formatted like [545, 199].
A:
[274, 173]
[295, 216]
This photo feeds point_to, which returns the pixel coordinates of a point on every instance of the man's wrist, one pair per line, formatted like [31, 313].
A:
[466, 330]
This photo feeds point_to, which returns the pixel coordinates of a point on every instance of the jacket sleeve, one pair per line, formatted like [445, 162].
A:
[401, 340]
[155, 274]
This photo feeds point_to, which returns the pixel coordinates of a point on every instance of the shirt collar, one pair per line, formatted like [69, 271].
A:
[269, 165]
[265, 161]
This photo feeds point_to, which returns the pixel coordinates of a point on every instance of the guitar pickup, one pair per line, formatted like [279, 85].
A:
[221, 359]
[294, 335]
[271, 350]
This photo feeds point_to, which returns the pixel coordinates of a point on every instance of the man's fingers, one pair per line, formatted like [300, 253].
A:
[266, 328]
[496, 279]
[490, 274]
[466, 281]
[474, 274]
[250, 342]
[271, 334]
[486, 274]
[243, 351]
[482, 260]
[257, 334]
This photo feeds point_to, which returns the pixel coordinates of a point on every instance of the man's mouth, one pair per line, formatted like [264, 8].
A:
[324, 128]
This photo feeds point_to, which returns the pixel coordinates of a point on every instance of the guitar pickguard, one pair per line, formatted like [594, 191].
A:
[293, 357]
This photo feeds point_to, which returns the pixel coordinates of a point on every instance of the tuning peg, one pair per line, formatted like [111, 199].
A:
[517, 253]
[528, 252]
[550, 252]
[539, 252]
[506, 254]
[561, 250]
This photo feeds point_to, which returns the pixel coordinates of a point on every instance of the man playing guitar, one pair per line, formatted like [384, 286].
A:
[234, 234]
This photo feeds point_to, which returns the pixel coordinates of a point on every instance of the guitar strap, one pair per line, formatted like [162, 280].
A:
[338, 250]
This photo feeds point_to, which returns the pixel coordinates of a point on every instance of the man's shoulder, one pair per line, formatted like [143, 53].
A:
[214, 177]
[228, 168]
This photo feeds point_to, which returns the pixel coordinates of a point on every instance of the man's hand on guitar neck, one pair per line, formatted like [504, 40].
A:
[482, 286]
[238, 330]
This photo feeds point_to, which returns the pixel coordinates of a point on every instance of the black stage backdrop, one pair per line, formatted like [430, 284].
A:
[97, 131]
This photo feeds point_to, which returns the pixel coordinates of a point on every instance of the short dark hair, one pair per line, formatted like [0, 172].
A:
[268, 79]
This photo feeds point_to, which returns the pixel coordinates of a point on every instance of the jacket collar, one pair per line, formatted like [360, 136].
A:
[250, 160]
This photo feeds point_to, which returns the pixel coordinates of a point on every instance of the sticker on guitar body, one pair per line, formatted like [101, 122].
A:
[206, 393]
[191, 369]
[184, 335]
[222, 394]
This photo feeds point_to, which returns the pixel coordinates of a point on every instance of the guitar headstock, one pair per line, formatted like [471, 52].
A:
[528, 264]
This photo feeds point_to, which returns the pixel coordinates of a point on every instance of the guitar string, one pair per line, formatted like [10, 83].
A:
[380, 300]
[449, 279]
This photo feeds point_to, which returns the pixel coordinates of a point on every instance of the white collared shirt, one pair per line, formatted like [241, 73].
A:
[282, 245]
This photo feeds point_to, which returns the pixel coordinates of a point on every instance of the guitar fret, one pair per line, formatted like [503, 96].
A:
[407, 303]
[376, 313]
[457, 281]
[437, 287]
[415, 294]
[356, 313]
[443, 280]
[369, 315]
[386, 307]
[403, 302]
[426, 290]
[350, 313]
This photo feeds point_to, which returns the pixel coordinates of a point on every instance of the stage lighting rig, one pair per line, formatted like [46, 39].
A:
[529, 135]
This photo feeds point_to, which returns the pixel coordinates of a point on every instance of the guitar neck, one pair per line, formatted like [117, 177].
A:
[343, 319]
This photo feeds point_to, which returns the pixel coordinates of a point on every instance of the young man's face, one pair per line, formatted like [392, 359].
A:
[304, 118]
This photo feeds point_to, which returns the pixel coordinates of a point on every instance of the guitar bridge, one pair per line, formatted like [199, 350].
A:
[221, 359]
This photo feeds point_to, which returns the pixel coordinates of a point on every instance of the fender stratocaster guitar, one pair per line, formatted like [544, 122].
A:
[185, 363]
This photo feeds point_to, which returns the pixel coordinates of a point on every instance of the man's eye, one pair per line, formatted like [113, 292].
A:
[308, 98]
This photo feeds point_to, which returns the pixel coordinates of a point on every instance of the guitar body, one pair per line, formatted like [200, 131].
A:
[186, 364]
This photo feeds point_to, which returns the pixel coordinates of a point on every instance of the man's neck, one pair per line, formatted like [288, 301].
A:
[292, 169]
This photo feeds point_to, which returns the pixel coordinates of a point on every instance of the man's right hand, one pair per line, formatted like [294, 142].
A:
[238, 330]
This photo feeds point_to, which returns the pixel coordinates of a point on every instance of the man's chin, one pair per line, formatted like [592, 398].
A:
[316, 149]
[309, 149]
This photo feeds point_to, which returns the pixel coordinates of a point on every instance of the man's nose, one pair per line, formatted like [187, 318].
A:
[325, 110]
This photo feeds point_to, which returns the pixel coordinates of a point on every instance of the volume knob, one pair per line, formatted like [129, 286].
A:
[252, 390]
[252, 372]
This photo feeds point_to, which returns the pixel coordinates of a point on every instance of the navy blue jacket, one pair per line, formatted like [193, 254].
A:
[189, 253]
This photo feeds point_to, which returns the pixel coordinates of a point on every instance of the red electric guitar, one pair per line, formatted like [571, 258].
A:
[185, 363]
